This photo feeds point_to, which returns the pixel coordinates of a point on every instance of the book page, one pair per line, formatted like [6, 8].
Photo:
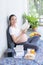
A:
[25, 26]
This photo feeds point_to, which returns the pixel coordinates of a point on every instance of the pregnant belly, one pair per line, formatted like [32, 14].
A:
[23, 38]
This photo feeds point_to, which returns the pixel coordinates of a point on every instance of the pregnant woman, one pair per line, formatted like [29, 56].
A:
[19, 36]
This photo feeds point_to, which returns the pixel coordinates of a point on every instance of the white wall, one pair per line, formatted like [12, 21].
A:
[3, 41]
[8, 7]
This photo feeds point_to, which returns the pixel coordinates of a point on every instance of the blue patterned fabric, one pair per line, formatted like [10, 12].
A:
[21, 61]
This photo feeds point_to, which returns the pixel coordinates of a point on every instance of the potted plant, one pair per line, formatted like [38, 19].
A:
[32, 20]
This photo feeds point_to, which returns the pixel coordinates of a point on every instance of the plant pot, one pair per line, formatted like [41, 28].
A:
[34, 29]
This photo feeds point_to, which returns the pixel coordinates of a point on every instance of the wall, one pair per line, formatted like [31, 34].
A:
[3, 23]
[8, 7]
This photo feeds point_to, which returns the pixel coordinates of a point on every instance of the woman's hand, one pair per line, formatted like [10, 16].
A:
[23, 31]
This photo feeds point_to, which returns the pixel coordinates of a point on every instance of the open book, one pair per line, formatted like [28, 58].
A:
[25, 26]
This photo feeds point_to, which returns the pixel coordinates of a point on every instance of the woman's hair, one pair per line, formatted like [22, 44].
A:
[11, 16]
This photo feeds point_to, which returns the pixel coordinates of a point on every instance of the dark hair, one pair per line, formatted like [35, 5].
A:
[11, 16]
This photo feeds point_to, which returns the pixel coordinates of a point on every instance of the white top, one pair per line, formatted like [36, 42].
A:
[14, 31]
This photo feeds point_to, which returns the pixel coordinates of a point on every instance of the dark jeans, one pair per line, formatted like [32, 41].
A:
[30, 43]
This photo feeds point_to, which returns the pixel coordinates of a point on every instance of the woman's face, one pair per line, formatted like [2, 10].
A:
[13, 20]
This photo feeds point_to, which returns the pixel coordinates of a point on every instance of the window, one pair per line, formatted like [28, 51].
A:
[36, 9]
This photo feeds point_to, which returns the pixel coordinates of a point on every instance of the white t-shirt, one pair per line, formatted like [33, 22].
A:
[14, 31]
